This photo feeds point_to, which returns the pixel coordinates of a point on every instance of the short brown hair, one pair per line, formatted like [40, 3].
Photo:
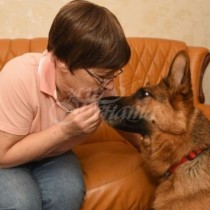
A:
[85, 35]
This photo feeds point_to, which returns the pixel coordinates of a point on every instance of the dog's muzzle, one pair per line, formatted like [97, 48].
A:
[121, 114]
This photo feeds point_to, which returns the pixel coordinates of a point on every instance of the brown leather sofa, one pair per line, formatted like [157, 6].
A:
[112, 168]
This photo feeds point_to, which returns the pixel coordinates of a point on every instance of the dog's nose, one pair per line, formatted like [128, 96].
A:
[106, 101]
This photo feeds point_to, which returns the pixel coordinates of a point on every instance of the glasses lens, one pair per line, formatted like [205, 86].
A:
[116, 74]
[104, 81]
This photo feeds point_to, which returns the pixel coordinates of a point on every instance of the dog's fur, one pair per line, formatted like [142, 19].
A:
[171, 128]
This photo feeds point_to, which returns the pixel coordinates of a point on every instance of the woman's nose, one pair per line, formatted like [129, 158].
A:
[109, 85]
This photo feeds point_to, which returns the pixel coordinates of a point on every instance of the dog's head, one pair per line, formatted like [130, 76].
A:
[164, 107]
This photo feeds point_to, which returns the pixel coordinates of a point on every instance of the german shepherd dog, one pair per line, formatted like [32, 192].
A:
[175, 137]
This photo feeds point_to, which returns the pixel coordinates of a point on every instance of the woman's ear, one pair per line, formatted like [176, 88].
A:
[60, 66]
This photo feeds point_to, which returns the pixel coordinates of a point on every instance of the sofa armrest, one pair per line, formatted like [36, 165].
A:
[199, 60]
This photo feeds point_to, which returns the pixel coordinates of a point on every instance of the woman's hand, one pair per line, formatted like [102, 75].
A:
[81, 121]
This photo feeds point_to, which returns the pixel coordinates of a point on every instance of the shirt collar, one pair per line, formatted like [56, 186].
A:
[46, 72]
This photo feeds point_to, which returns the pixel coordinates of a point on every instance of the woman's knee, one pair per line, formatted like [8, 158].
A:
[18, 190]
[64, 185]
[68, 197]
[21, 201]
[74, 187]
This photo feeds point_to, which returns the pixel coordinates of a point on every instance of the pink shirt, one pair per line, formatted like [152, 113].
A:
[28, 101]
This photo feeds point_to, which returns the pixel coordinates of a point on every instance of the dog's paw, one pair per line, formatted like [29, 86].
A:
[146, 144]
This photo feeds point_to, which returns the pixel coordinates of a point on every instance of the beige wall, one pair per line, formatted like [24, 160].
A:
[185, 20]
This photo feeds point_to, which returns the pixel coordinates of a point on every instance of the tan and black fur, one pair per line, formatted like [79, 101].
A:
[171, 128]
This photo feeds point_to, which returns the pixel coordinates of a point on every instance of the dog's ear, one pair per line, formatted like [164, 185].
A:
[179, 73]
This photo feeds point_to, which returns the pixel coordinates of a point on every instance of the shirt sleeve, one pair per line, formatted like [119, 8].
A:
[16, 113]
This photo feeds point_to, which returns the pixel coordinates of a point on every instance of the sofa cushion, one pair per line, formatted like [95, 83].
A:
[108, 165]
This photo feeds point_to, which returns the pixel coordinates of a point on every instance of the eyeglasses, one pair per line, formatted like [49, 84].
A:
[104, 81]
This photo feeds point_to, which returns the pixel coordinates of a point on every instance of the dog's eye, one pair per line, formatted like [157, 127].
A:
[146, 93]
[142, 94]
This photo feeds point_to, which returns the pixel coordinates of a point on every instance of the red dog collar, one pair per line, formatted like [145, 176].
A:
[192, 155]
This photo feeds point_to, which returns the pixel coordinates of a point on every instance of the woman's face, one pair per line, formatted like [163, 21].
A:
[82, 85]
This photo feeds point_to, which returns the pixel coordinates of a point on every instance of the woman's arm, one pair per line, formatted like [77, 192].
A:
[16, 149]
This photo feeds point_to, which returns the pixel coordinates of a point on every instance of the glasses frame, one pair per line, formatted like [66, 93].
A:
[105, 81]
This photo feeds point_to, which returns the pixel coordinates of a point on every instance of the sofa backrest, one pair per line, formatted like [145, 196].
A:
[10, 48]
[150, 61]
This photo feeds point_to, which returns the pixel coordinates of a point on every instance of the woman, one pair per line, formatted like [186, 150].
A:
[48, 106]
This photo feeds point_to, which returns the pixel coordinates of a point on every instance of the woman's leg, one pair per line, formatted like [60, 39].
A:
[61, 183]
[18, 190]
